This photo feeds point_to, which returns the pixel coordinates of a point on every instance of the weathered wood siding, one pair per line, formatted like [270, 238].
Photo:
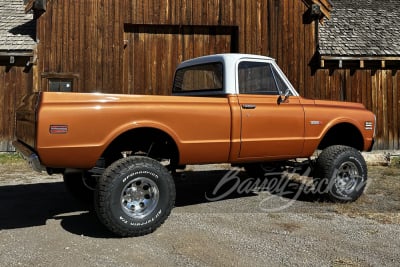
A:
[109, 44]
[159, 49]
[15, 81]
[378, 90]
[133, 46]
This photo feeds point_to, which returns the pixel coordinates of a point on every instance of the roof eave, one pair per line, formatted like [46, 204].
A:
[36, 5]
[325, 7]
[383, 60]
[16, 53]
[366, 58]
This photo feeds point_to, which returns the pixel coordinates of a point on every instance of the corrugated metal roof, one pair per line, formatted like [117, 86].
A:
[17, 29]
[362, 28]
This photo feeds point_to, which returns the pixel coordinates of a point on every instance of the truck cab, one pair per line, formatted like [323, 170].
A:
[232, 74]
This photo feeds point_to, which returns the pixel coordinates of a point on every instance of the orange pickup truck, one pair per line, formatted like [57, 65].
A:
[225, 108]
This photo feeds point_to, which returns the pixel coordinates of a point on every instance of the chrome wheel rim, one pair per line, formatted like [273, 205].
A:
[139, 197]
[347, 178]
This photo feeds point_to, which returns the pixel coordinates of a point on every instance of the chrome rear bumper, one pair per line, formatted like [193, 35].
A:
[29, 155]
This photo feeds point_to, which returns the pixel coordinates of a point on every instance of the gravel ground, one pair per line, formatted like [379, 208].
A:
[42, 225]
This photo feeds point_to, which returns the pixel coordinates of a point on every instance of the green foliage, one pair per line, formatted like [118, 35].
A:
[395, 162]
[7, 158]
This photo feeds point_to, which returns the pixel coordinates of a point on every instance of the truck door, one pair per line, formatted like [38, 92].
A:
[269, 129]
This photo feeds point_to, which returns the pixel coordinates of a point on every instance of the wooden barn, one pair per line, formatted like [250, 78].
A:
[17, 42]
[133, 47]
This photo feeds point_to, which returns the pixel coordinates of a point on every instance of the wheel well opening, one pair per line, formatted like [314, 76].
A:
[343, 134]
[149, 142]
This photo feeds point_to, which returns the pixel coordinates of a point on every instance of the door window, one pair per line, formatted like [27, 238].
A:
[257, 78]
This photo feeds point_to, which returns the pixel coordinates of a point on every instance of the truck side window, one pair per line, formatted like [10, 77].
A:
[206, 77]
[257, 78]
[280, 83]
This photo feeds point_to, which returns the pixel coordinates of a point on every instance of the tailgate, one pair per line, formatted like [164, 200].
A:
[26, 117]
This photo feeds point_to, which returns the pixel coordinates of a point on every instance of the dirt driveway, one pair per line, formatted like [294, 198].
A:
[42, 225]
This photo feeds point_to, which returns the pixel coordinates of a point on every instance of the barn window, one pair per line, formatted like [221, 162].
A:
[60, 85]
[60, 82]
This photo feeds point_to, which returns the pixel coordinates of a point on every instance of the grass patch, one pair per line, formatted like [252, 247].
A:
[389, 172]
[8, 158]
[395, 162]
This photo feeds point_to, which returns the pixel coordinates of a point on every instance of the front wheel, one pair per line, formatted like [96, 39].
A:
[340, 174]
[134, 196]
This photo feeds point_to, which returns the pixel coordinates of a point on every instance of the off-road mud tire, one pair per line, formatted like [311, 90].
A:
[340, 174]
[134, 196]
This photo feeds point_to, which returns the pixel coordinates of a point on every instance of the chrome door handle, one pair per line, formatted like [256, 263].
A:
[249, 106]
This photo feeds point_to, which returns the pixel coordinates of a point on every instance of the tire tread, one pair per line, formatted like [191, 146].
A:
[102, 195]
[328, 157]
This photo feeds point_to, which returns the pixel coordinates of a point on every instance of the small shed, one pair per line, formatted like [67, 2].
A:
[360, 59]
[17, 44]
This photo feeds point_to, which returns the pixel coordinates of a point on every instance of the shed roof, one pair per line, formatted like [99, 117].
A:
[17, 29]
[364, 28]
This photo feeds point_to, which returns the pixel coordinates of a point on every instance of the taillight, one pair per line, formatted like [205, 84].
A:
[58, 129]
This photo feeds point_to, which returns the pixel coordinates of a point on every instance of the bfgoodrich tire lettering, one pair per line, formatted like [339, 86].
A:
[134, 196]
[340, 174]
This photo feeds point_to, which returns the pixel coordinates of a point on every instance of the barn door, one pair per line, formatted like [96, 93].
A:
[152, 52]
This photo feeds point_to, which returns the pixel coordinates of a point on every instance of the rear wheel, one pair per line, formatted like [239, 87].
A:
[340, 174]
[134, 196]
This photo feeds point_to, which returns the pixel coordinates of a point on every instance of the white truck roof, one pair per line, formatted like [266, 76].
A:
[227, 58]
[230, 62]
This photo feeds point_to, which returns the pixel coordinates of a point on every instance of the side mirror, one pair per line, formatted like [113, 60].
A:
[284, 98]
